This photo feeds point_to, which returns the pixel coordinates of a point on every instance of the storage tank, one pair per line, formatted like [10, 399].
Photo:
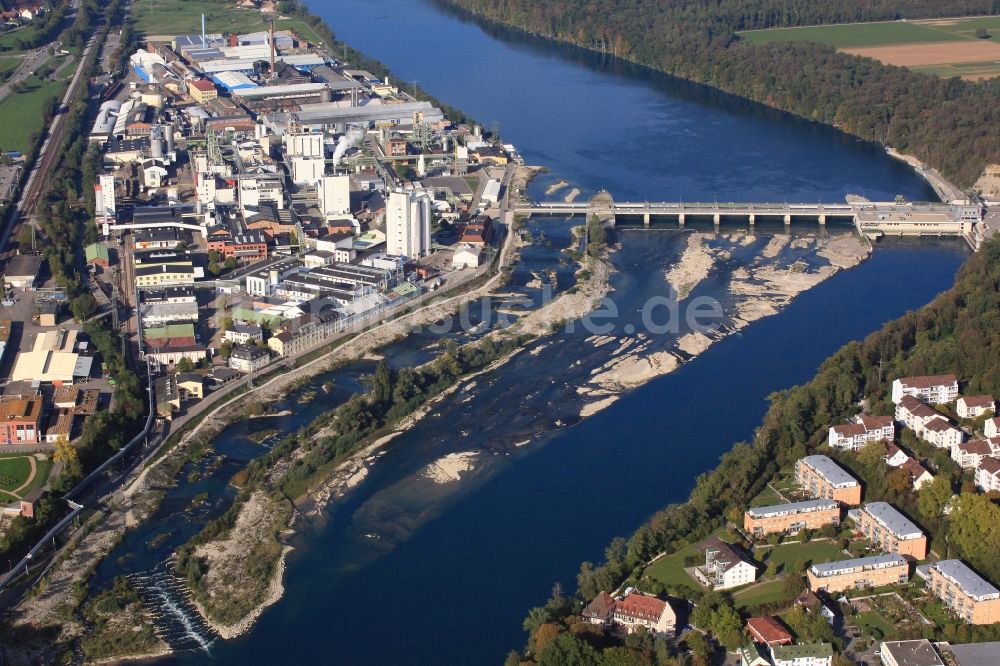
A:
[168, 134]
[156, 142]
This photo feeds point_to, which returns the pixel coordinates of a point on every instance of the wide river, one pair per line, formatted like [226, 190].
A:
[405, 571]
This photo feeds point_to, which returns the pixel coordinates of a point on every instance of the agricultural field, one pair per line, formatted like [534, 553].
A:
[27, 105]
[965, 47]
[183, 17]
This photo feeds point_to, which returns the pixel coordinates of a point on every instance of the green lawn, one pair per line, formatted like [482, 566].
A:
[669, 570]
[10, 42]
[765, 593]
[183, 17]
[811, 552]
[26, 107]
[8, 65]
[864, 622]
[13, 472]
[767, 497]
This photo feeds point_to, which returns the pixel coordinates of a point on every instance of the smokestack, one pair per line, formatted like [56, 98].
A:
[168, 131]
[272, 47]
[202, 31]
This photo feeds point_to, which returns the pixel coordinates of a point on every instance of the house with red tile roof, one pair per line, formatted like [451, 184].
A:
[631, 612]
[988, 475]
[935, 389]
[852, 436]
[974, 406]
[768, 630]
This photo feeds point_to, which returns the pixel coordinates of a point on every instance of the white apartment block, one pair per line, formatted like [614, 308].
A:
[992, 427]
[988, 475]
[974, 406]
[853, 436]
[941, 434]
[969, 454]
[935, 389]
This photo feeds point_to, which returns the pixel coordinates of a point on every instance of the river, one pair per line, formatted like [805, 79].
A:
[408, 571]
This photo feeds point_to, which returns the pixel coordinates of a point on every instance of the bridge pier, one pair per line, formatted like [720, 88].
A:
[753, 219]
[788, 218]
[822, 218]
[680, 220]
[716, 219]
[645, 218]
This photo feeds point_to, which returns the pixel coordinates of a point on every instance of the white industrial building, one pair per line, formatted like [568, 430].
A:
[408, 223]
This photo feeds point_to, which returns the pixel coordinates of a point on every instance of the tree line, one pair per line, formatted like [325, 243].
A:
[951, 124]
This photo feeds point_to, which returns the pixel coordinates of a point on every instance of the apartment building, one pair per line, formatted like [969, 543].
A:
[802, 654]
[988, 474]
[969, 454]
[913, 413]
[935, 389]
[792, 517]
[910, 653]
[873, 571]
[974, 406]
[992, 427]
[852, 436]
[630, 613]
[891, 531]
[940, 433]
[724, 566]
[974, 599]
[822, 478]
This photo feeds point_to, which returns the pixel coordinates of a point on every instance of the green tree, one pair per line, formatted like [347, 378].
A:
[567, 650]
[933, 497]
[185, 365]
[382, 383]
[83, 306]
[700, 648]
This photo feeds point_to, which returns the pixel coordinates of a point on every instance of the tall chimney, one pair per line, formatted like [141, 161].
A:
[202, 31]
[272, 48]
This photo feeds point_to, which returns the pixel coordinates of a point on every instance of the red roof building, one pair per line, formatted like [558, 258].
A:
[768, 631]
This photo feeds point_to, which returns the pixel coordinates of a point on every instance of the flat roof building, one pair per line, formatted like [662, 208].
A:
[970, 596]
[780, 518]
[873, 571]
[910, 653]
[891, 531]
[822, 478]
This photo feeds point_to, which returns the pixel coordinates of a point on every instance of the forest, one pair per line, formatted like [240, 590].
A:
[958, 332]
[951, 124]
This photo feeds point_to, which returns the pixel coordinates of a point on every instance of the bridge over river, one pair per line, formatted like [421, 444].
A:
[869, 217]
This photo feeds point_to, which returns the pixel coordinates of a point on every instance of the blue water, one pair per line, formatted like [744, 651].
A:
[404, 571]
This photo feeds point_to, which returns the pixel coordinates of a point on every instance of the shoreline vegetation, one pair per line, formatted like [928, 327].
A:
[944, 123]
[954, 333]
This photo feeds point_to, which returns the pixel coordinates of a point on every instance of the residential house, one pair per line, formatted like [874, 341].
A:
[919, 476]
[249, 358]
[873, 571]
[891, 531]
[942, 434]
[935, 389]
[637, 611]
[895, 456]
[802, 654]
[913, 413]
[852, 436]
[822, 478]
[633, 611]
[768, 630]
[974, 599]
[909, 653]
[782, 518]
[60, 426]
[969, 454]
[988, 474]
[754, 655]
[992, 427]
[974, 406]
[724, 566]
[21, 421]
